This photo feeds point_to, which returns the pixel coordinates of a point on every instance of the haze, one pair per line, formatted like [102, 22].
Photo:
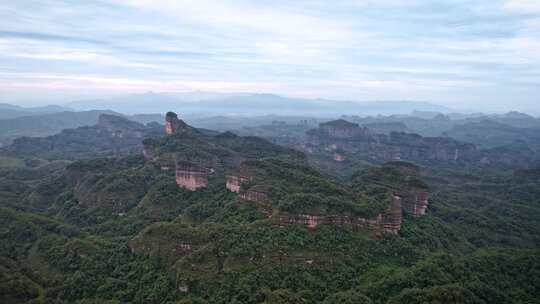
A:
[470, 55]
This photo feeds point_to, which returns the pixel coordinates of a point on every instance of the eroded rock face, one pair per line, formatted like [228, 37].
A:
[234, 182]
[255, 194]
[148, 153]
[173, 124]
[415, 201]
[393, 218]
[191, 177]
[351, 138]
[388, 222]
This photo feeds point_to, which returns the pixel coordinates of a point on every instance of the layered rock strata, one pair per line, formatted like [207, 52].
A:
[173, 124]
[389, 222]
[191, 177]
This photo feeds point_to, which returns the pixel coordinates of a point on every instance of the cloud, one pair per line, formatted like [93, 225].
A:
[351, 49]
[523, 6]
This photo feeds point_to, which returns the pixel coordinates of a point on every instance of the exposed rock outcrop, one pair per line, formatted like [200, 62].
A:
[339, 157]
[356, 140]
[388, 222]
[191, 177]
[149, 153]
[173, 124]
[414, 201]
[393, 218]
[257, 193]
[234, 182]
[235, 179]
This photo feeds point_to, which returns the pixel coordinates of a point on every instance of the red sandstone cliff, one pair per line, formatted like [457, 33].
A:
[414, 201]
[173, 124]
[388, 222]
[191, 177]
[235, 179]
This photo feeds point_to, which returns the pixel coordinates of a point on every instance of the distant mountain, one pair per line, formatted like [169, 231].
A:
[205, 103]
[8, 111]
[492, 133]
[149, 102]
[46, 124]
[112, 136]
[40, 125]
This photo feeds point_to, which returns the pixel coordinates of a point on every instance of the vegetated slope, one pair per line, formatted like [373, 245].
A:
[492, 134]
[46, 124]
[111, 136]
[127, 229]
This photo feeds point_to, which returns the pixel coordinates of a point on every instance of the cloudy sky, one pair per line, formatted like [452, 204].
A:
[461, 53]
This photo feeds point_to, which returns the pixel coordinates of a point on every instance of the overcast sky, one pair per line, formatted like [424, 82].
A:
[460, 53]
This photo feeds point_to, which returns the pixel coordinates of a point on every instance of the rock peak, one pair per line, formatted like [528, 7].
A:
[173, 124]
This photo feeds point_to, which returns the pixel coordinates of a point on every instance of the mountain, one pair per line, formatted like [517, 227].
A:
[149, 102]
[130, 213]
[46, 124]
[8, 111]
[248, 104]
[112, 136]
[40, 125]
[493, 132]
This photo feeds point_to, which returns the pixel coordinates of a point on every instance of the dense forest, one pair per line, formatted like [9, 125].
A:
[102, 214]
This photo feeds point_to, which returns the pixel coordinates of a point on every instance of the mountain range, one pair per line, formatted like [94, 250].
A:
[12, 111]
[207, 103]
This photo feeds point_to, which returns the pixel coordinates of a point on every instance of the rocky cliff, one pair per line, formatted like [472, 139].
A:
[191, 177]
[360, 143]
[387, 222]
[173, 124]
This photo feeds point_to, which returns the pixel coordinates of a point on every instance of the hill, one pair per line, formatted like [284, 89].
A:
[8, 111]
[195, 216]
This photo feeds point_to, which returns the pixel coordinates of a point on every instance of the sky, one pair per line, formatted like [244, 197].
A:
[482, 54]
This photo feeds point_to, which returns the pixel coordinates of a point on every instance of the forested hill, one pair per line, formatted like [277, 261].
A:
[123, 212]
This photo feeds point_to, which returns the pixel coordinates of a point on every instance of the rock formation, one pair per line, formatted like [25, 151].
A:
[173, 124]
[235, 180]
[342, 129]
[339, 157]
[257, 193]
[392, 219]
[148, 153]
[191, 177]
[414, 201]
[353, 139]
[388, 222]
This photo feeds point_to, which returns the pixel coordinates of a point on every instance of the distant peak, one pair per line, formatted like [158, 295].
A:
[109, 121]
[516, 114]
[339, 123]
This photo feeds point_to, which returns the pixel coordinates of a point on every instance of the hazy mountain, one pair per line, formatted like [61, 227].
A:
[493, 133]
[12, 111]
[198, 103]
[46, 124]
[112, 136]
[149, 102]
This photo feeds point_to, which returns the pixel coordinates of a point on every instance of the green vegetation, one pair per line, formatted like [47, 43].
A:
[10, 162]
[119, 230]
